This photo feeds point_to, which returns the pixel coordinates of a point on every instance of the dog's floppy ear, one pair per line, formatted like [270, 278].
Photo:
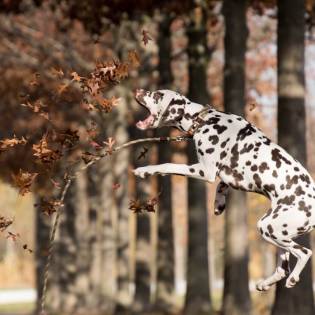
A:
[174, 111]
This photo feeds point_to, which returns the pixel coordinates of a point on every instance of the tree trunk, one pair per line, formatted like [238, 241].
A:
[69, 276]
[236, 297]
[143, 245]
[165, 253]
[120, 169]
[198, 291]
[291, 112]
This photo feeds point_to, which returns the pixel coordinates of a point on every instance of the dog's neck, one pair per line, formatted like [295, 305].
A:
[191, 112]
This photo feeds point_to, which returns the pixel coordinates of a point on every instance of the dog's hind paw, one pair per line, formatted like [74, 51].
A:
[291, 282]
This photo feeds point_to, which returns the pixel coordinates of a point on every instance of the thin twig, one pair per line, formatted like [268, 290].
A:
[69, 180]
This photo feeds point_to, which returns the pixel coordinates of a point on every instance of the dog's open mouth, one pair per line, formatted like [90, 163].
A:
[148, 121]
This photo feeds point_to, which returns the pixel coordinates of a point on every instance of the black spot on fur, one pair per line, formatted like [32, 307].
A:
[245, 132]
[210, 150]
[278, 157]
[214, 139]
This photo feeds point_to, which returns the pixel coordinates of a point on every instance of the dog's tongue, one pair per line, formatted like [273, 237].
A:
[144, 124]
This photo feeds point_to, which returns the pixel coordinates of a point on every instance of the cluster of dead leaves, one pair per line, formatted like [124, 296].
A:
[115, 70]
[49, 206]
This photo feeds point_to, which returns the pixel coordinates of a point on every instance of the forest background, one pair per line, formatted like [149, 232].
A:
[125, 245]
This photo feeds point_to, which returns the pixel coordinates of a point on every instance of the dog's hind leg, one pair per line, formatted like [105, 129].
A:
[281, 271]
[302, 254]
[270, 234]
[220, 198]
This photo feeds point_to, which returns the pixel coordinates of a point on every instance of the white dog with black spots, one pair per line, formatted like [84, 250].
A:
[231, 148]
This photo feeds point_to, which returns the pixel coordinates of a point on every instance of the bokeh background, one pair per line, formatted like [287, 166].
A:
[246, 57]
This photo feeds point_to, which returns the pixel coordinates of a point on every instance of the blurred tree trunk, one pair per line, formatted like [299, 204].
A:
[120, 169]
[165, 253]
[143, 246]
[198, 291]
[42, 243]
[291, 112]
[236, 296]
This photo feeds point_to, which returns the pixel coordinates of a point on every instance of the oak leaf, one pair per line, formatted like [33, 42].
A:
[23, 181]
[49, 206]
[44, 153]
[9, 143]
[146, 37]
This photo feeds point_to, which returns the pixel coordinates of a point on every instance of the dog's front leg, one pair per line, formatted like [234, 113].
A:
[195, 170]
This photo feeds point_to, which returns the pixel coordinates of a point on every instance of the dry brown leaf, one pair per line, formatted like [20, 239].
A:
[44, 153]
[4, 223]
[9, 143]
[107, 104]
[146, 37]
[23, 181]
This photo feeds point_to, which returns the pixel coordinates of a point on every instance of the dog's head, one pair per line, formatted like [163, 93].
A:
[166, 108]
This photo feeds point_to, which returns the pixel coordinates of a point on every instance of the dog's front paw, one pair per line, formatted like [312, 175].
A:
[143, 172]
[262, 286]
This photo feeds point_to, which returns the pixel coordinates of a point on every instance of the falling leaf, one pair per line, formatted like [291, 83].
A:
[23, 181]
[4, 223]
[146, 37]
[150, 204]
[135, 206]
[25, 247]
[138, 207]
[143, 153]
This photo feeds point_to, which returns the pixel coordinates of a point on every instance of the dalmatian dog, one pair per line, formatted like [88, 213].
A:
[231, 148]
